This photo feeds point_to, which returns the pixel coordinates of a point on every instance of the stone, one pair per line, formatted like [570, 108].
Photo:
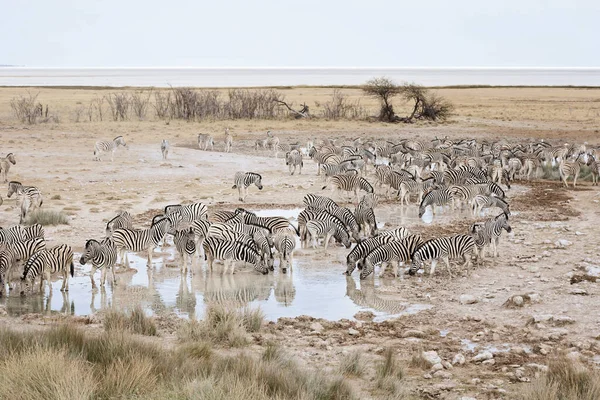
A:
[458, 359]
[562, 244]
[442, 374]
[574, 355]
[431, 357]
[578, 291]
[413, 333]
[446, 365]
[316, 327]
[353, 332]
[488, 362]
[484, 355]
[437, 367]
[468, 299]
[517, 300]
[538, 367]
[427, 376]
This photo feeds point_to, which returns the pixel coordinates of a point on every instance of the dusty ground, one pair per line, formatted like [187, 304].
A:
[556, 316]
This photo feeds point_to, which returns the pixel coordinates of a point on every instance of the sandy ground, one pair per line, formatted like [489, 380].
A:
[556, 317]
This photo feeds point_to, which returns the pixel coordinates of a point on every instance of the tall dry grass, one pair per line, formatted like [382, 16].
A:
[47, 217]
[134, 321]
[565, 380]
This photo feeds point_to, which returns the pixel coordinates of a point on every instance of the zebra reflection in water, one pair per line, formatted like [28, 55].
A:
[236, 290]
[285, 291]
[367, 297]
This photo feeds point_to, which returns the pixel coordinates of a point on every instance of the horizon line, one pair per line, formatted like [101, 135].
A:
[314, 68]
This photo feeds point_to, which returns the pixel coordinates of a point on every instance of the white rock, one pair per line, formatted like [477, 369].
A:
[442, 374]
[446, 365]
[427, 376]
[468, 299]
[458, 359]
[437, 367]
[484, 355]
[317, 327]
[517, 300]
[562, 243]
[579, 291]
[431, 357]
[488, 362]
[353, 332]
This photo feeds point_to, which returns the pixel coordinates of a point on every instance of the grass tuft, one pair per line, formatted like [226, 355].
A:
[47, 217]
[135, 321]
[389, 367]
[565, 380]
[352, 364]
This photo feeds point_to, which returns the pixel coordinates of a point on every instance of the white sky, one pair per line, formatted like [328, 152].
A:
[279, 33]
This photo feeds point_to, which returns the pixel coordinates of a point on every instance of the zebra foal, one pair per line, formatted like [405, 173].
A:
[105, 147]
[242, 180]
[488, 234]
[103, 256]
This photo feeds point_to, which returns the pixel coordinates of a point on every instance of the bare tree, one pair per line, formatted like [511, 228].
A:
[302, 113]
[383, 89]
[427, 106]
[78, 112]
[119, 105]
[26, 108]
[139, 104]
[162, 102]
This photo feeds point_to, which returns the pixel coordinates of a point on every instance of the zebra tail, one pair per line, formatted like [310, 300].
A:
[234, 187]
[72, 269]
[295, 229]
[324, 187]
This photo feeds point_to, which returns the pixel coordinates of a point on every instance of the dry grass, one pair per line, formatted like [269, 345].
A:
[64, 363]
[565, 380]
[352, 364]
[47, 217]
[418, 361]
[389, 372]
[134, 321]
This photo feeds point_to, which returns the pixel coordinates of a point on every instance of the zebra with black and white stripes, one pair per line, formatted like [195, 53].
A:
[48, 262]
[244, 179]
[188, 212]
[480, 202]
[272, 224]
[229, 252]
[293, 159]
[594, 167]
[312, 214]
[140, 239]
[348, 219]
[317, 202]
[18, 252]
[185, 243]
[356, 257]
[349, 183]
[228, 140]
[412, 187]
[392, 252]
[567, 169]
[285, 243]
[365, 216]
[323, 158]
[12, 234]
[327, 229]
[32, 232]
[106, 147]
[436, 197]
[122, 220]
[29, 197]
[488, 233]
[103, 256]
[446, 248]
[205, 140]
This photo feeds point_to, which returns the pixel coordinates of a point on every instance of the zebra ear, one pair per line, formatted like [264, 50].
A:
[234, 187]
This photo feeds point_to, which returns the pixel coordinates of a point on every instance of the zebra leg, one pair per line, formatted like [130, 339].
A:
[432, 269]
[150, 251]
[92, 272]
[575, 181]
[447, 261]
[65, 282]
[327, 239]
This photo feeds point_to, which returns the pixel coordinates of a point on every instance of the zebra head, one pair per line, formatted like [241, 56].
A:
[416, 265]
[13, 187]
[120, 141]
[367, 269]
[261, 266]
[11, 157]
[505, 224]
[350, 264]
[91, 246]
[258, 182]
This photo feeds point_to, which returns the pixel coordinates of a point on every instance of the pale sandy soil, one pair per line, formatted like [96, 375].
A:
[58, 159]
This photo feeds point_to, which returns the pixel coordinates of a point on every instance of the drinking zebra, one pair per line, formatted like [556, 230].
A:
[48, 262]
[30, 198]
[205, 140]
[327, 229]
[105, 147]
[293, 159]
[480, 202]
[123, 220]
[140, 239]
[185, 243]
[394, 252]
[5, 165]
[285, 244]
[244, 179]
[437, 197]
[188, 212]
[488, 233]
[103, 256]
[445, 248]
[317, 202]
[229, 252]
[17, 252]
[164, 148]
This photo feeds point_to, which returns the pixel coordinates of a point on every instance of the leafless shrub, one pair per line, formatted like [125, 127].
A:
[139, 104]
[162, 104]
[208, 105]
[339, 107]
[119, 104]
[27, 109]
[427, 106]
[77, 113]
[383, 89]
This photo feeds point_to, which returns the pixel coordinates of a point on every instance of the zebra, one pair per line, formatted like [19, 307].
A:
[5, 165]
[365, 217]
[48, 262]
[397, 233]
[103, 256]
[11, 235]
[185, 242]
[272, 141]
[188, 212]
[356, 257]
[394, 251]
[105, 147]
[123, 220]
[140, 239]
[317, 202]
[164, 148]
[32, 232]
[445, 248]
[348, 219]
[226, 232]
[349, 183]
[594, 169]
[437, 197]
[293, 159]
[480, 202]
[413, 187]
[5, 266]
[200, 228]
[323, 158]
[312, 214]
[30, 197]
[337, 169]
[218, 249]
[17, 252]
[228, 140]
[272, 224]
[285, 244]
[327, 229]
[488, 233]
[569, 168]
[261, 143]
[244, 179]
[205, 140]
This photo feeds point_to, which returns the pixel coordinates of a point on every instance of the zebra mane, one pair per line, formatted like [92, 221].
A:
[109, 222]
[156, 221]
[15, 183]
[120, 136]
[254, 173]
[171, 205]
[90, 241]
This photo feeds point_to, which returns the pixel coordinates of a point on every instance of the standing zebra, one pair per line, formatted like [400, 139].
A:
[293, 159]
[349, 183]
[103, 256]
[488, 234]
[317, 202]
[285, 244]
[205, 140]
[569, 168]
[140, 239]
[365, 216]
[185, 242]
[17, 252]
[272, 224]
[32, 232]
[30, 197]
[5, 165]
[164, 148]
[594, 169]
[228, 140]
[480, 202]
[48, 262]
[122, 220]
[105, 147]
[326, 229]
[188, 212]
[394, 251]
[244, 179]
[437, 197]
[444, 248]
[359, 252]
[217, 249]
